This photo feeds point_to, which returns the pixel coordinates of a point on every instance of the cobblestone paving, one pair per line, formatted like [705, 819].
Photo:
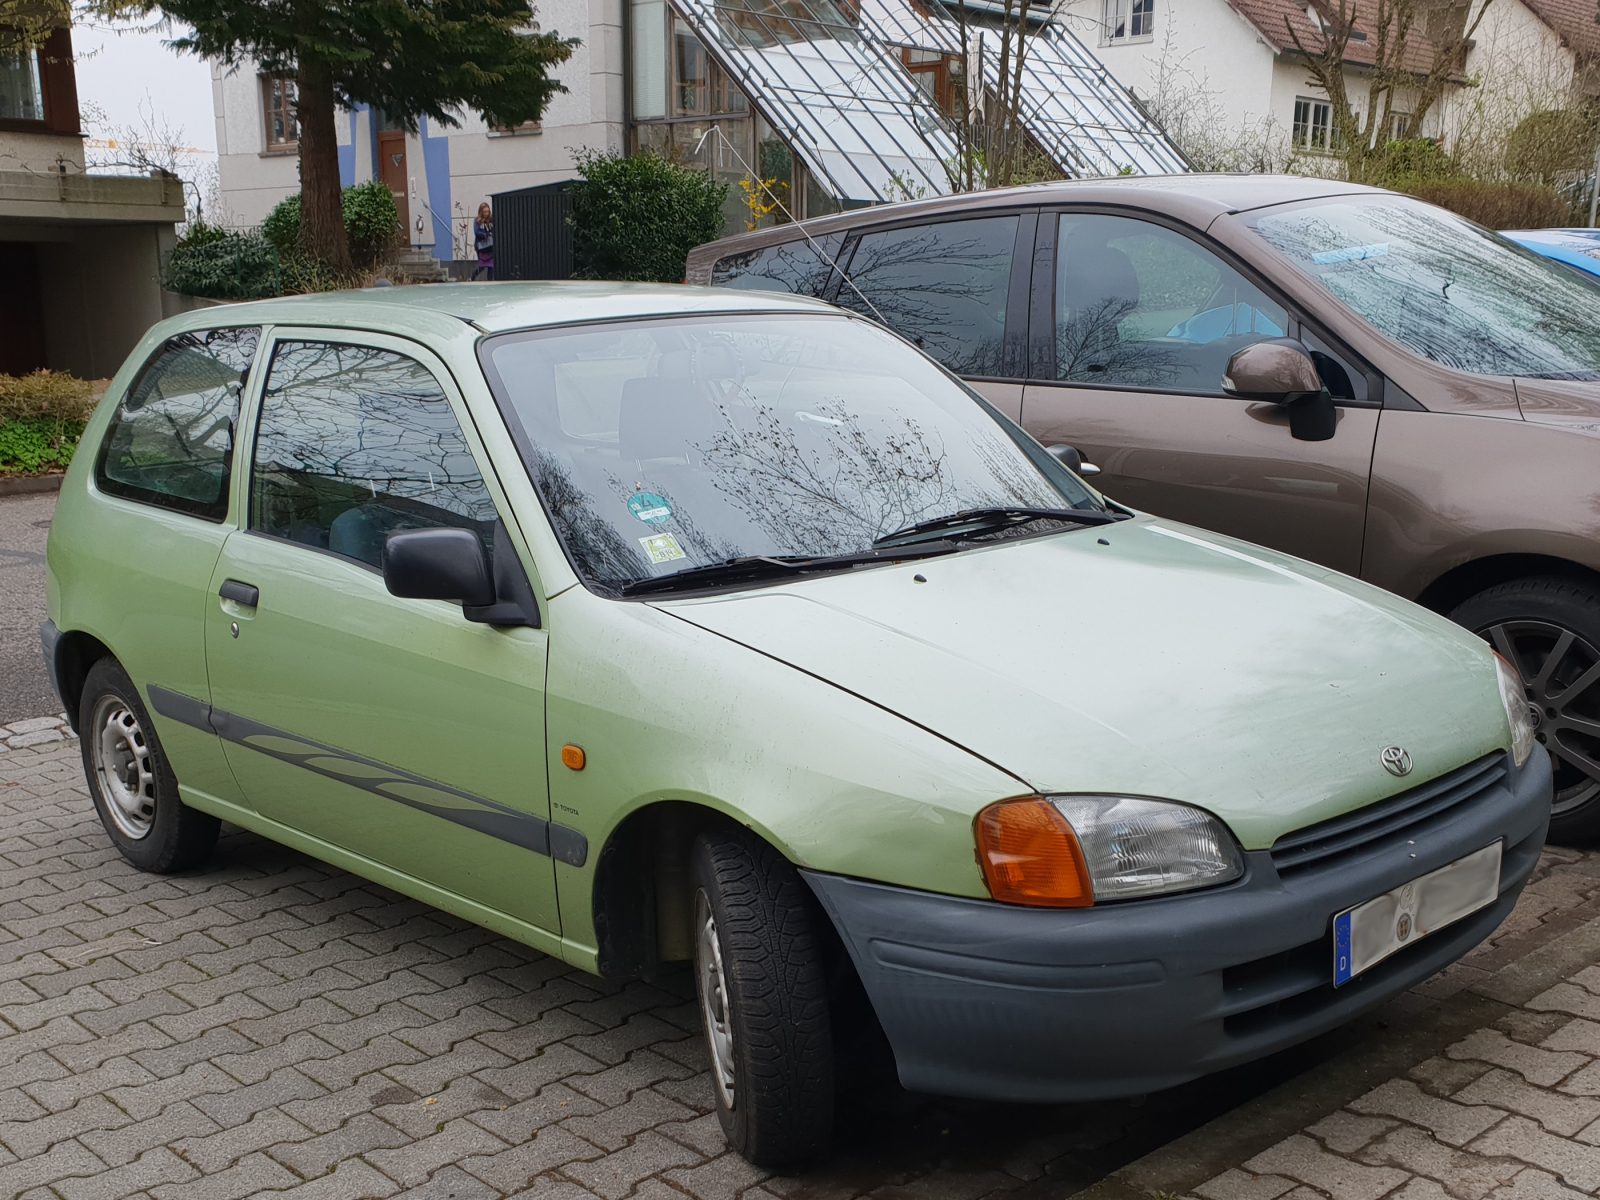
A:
[1510, 1112]
[267, 1024]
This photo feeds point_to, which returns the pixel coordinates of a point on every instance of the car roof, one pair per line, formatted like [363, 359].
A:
[1196, 198]
[496, 307]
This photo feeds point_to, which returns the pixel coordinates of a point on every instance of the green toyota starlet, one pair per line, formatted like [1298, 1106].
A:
[651, 625]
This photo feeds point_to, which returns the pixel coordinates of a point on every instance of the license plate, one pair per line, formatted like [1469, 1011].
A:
[1367, 934]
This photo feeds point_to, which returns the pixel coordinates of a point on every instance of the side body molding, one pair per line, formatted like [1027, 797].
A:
[474, 812]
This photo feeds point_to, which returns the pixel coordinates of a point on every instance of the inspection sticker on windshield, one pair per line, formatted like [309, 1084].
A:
[1352, 253]
[1367, 934]
[662, 548]
[649, 507]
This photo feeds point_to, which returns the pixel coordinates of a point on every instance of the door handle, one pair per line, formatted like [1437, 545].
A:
[246, 594]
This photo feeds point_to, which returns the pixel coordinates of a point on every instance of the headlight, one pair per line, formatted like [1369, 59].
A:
[1071, 851]
[1515, 698]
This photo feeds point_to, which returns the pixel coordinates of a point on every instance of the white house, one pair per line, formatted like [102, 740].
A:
[1238, 64]
[835, 101]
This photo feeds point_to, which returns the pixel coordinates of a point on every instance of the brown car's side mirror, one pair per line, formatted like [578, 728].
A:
[1280, 370]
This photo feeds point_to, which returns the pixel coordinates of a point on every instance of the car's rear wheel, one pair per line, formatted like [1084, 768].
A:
[130, 781]
[1549, 629]
[761, 979]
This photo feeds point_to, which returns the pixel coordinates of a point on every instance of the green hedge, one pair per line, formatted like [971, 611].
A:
[371, 222]
[41, 417]
[224, 266]
[638, 217]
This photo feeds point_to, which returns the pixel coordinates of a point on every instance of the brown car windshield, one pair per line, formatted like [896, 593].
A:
[1445, 288]
[663, 446]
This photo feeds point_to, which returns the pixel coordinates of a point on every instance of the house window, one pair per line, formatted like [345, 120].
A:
[1129, 20]
[1313, 120]
[278, 97]
[936, 74]
[21, 97]
[1399, 126]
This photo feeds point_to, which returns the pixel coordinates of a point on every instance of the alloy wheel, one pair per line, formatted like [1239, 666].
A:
[713, 987]
[123, 767]
[1561, 672]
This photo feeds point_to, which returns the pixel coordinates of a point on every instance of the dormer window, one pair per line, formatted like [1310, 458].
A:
[1128, 21]
[21, 91]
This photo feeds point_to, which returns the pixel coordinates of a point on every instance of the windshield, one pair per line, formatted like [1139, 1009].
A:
[662, 446]
[1443, 287]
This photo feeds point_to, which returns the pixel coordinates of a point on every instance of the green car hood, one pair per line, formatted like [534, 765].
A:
[1147, 658]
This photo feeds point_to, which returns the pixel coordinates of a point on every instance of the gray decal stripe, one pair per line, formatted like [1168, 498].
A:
[463, 808]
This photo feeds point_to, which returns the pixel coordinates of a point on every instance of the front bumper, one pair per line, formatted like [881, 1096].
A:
[1002, 1002]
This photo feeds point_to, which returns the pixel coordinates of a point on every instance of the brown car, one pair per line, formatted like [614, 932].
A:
[1339, 372]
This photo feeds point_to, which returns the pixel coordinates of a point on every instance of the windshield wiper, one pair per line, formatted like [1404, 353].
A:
[974, 522]
[765, 566]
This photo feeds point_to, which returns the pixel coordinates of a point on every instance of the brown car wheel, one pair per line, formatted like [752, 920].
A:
[1549, 629]
[133, 788]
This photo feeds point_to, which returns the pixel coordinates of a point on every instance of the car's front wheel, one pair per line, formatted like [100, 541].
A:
[130, 781]
[761, 979]
[1549, 630]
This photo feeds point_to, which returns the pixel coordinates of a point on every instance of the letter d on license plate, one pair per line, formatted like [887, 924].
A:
[1367, 934]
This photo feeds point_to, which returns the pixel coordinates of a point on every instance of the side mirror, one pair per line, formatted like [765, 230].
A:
[1069, 458]
[438, 564]
[1280, 370]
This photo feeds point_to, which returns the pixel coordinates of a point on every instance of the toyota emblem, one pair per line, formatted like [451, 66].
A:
[1396, 760]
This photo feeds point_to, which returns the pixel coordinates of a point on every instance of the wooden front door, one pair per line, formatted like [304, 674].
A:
[392, 170]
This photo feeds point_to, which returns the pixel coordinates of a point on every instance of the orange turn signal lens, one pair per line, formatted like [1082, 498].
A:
[573, 756]
[1030, 855]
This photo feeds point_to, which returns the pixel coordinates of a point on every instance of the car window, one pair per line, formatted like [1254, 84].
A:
[355, 443]
[1444, 288]
[170, 442]
[678, 443]
[798, 267]
[1138, 305]
[942, 286]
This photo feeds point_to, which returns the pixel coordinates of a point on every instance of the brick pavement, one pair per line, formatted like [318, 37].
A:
[267, 1024]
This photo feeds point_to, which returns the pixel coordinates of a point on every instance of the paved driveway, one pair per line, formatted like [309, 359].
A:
[24, 687]
[268, 1024]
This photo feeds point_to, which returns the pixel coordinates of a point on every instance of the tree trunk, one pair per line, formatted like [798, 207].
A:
[322, 230]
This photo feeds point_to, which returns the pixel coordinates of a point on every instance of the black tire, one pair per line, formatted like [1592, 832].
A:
[758, 943]
[130, 780]
[1549, 629]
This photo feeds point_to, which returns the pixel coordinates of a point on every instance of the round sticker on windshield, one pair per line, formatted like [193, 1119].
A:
[649, 507]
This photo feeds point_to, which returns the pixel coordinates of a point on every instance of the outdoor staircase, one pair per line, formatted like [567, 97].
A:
[418, 266]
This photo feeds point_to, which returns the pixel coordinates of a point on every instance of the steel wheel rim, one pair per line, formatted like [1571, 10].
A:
[123, 767]
[713, 988]
[1561, 675]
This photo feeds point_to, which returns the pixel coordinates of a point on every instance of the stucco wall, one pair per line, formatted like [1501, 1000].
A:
[39, 152]
[1522, 68]
[251, 181]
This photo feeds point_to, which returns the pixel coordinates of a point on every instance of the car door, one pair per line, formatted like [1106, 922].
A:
[957, 288]
[162, 487]
[1131, 331]
[392, 728]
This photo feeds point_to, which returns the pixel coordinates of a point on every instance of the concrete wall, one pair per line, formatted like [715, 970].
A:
[101, 291]
[39, 152]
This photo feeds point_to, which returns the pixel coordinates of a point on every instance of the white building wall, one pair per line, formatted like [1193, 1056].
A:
[1202, 53]
[1521, 67]
[590, 113]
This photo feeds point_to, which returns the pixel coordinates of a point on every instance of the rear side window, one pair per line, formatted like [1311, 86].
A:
[171, 441]
[942, 286]
[799, 267]
[355, 443]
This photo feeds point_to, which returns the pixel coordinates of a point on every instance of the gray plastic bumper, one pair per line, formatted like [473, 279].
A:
[1009, 1003]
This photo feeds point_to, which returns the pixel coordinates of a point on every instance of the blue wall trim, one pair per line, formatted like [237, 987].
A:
[347, 157]
[436, 162]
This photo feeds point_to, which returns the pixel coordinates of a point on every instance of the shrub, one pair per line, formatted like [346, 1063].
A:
[1414, 161]
[235, 266]
[282, 226]
[1546, 145]
[371, 222]
[638, 217]
[41, 418]
[1497, 205]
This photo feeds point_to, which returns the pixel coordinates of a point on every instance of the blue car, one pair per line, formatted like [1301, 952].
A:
[1578, 248]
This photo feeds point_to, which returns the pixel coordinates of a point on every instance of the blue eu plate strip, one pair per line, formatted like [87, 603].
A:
[1341, 949]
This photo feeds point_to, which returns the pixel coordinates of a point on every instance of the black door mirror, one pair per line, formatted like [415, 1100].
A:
[1281, 370]
[438, 564]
